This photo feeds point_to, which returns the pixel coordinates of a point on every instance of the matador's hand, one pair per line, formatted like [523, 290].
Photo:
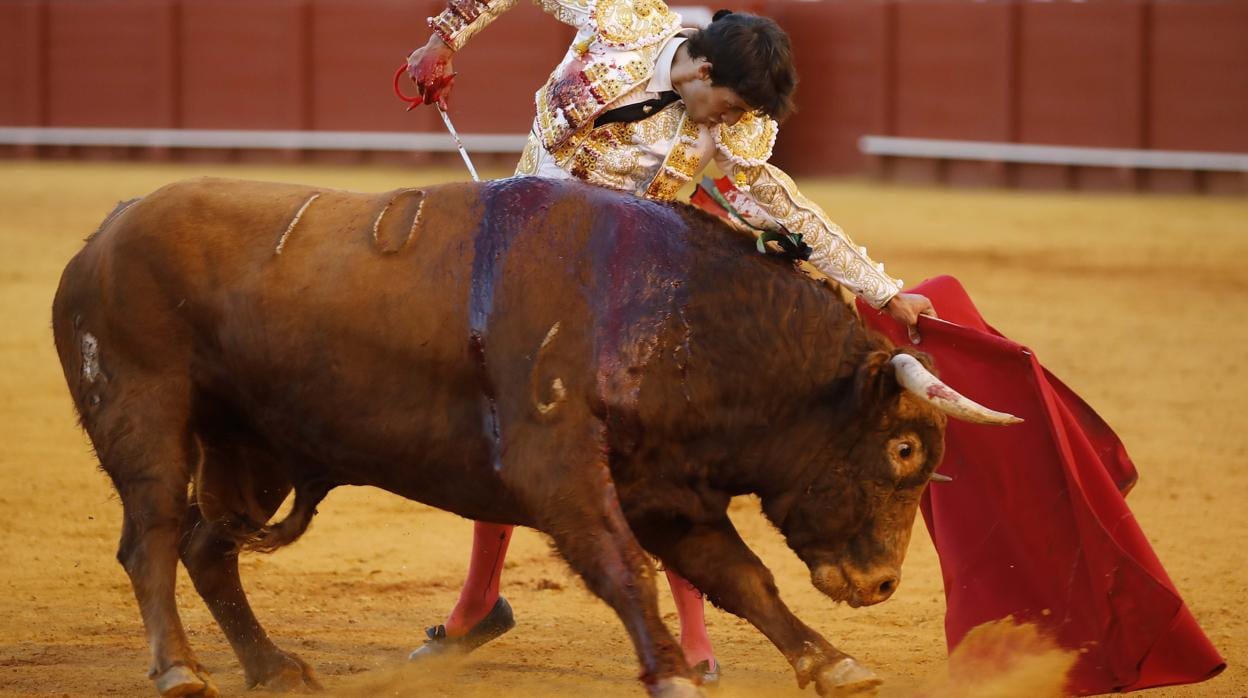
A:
[430, 68]
[906, 309]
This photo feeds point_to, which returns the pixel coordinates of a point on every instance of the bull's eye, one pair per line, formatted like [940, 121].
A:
[905, 454]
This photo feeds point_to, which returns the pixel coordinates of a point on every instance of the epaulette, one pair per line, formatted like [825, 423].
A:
[748, 142]
[628, 25]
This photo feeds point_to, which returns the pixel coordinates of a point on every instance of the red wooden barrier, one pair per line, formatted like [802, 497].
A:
[22, 68]
[1081, 78]
[1081, 82]
[111, 63]
[954, 70]
[244, 64]
[1199, 94]
[841, 50]
[356, 46]
[955, 67]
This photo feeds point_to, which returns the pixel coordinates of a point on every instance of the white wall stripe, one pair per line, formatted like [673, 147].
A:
[283, 140]
[1052, 154]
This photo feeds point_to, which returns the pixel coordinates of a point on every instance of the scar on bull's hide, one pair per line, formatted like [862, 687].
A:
[557, 391]
[91, 372]
[90, 357]
[391, 233]
[281, 241]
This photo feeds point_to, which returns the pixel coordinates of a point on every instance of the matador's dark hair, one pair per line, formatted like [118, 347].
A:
[752, 56]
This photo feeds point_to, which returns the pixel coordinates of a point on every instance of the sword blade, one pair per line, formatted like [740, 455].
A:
[463, 153]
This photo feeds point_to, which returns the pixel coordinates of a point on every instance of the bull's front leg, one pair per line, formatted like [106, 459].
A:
[560, 473]
[715, 559]
[593, 537]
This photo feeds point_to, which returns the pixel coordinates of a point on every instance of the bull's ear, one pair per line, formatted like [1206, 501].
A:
[876, 380]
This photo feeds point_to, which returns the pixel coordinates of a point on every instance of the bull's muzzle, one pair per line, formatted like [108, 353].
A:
[854, 587]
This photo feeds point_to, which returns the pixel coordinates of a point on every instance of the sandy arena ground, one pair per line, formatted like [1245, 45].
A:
[1138, 303]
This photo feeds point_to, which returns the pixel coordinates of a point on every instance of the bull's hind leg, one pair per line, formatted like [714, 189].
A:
[576, 505]
[140, 433]
[238, 487]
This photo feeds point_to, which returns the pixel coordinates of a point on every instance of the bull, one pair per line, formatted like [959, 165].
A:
[607, 370]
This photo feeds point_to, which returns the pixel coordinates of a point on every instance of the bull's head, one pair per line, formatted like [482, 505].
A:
[851, 517]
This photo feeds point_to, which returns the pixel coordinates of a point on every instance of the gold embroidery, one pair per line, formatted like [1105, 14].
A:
[456, 31]
[597, 71]
[660, 127]
[621, 155]
[554, 7]
[528, 158]
[573, 12]
[632, 24]
[598, 161]
[748, 142]
[638, 71]
[681, 163]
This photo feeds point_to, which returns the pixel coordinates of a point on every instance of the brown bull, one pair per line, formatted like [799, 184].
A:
[607, 370]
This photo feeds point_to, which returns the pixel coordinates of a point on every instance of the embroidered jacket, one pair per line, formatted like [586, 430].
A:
[611, 63]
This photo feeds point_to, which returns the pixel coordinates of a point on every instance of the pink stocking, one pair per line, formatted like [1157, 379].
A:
[480, 592]
[693, 638]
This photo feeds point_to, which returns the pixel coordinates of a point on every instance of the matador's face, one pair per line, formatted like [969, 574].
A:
[710, 104]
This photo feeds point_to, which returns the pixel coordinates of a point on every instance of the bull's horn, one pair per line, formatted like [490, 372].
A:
[915, 377]
[937, 477]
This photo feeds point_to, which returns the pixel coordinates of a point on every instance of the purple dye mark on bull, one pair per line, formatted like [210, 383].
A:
[510, 207]
[640, 255]
[476, 347]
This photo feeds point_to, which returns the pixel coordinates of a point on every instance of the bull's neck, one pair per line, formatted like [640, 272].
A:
[777, 386]
[745, 368]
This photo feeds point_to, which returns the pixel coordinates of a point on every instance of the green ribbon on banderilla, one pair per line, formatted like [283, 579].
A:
[790, 244]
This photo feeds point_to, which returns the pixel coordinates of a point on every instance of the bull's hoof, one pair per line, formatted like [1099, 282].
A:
[180, 680]
[285, 672]
[709, 673]
[847, 678]
[677, 687]
[499, 620]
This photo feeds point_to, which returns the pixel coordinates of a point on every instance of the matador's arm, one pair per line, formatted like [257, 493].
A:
[741, 153]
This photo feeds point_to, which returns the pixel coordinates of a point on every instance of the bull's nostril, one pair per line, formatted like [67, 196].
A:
[887, 586]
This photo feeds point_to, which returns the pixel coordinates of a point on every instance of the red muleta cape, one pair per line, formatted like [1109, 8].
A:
[1035, 524]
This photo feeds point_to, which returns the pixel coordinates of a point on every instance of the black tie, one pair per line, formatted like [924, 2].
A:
[638, 111]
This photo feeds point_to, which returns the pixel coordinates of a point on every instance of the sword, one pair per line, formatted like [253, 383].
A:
[463, 152]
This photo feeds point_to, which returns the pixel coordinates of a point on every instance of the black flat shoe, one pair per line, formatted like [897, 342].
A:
[498, 621]
[709, 674]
